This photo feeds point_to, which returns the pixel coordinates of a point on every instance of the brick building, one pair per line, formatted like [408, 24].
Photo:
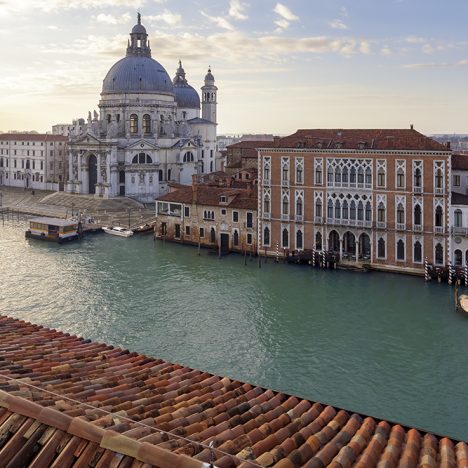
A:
[33, 160]
[224, 218]
[379, 197]
[244, 154]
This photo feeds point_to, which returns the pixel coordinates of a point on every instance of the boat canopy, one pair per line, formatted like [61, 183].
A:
[54, 221]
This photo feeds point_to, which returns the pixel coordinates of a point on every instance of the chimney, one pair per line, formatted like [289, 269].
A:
[249, 189]
[448, 145]
[276, 140]
[411, 127]
[194, 189]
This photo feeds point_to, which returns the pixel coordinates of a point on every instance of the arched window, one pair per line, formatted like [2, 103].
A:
[352, 177]
[368, 176]
[400, 214]
[160, 175]
[318, 241]
[188, 157]
[439, 215]
[344, 176]
[360, 211]
[458, 221]
[299, 245]
[381, 248]
[318, 175]
[266, 236]
[338, 175]
[134, 123]
[285, 205]
[381, 213]
[299, 206]
[400, 250]
[400, 178]
[466, 257]
[318, 208]
[439, 254]
[439, 180]
[213, 235]
[330, 175]
[337, 209]
[345, 209]
[236, 237]
[285, 238]
[109, 118]
[330, 209]
[142, 158]
[417, 252]
[146, 123]
[266, 204]
[360, 176]
[352, 211]
[458, 257]
[417, 215]
[368, 211]
[417, 177]
[381, 178]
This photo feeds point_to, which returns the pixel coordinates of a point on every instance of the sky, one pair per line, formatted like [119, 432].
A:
[279, 66]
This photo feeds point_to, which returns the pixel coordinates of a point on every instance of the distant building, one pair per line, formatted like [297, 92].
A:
[150, 130]
[379, 197]
[244, 155]
[33, 160]
[459, 210]
[222, 218]
[62, 129]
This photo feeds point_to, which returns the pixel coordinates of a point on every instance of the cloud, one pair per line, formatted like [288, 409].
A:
[237, 10]
[337, 24]
[433, 65]
[285, 12]
[344, 12]
[365, 47]
[111, 19]
[430, 48]
[168, 17]
[219, 21]
[386, 51]
[287, 16]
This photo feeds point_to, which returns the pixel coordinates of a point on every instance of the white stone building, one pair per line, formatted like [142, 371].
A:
[148, 131]
[459, 210]
[33, 160]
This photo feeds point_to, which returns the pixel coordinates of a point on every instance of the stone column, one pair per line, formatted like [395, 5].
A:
[357, 250]
[70, 166]
[80, 175]
[341, 249]
[99, 174]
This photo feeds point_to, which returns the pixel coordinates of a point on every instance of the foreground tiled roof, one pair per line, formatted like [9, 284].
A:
[377, 139]
[124, 409]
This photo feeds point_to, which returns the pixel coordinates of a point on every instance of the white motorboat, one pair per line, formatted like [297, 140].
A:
[118, 231]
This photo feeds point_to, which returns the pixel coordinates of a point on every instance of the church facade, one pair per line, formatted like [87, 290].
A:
[150, 130]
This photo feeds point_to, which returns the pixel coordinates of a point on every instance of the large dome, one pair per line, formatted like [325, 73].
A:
[137, 74]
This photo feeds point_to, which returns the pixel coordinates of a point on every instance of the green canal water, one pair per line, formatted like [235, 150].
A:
[384, 345]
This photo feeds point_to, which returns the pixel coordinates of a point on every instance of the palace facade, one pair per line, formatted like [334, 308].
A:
[148, 131]
[379, 197]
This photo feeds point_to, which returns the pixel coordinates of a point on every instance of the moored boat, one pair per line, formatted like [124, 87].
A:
[53, 229]
[461, 300]
[118, 231]
[144, 229]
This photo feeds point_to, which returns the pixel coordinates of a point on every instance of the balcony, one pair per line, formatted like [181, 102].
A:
[417, 228]
[438, 229]
[401, 227]
[266, 216]
[460, 231]
[284, 217]
[267, 182]
[439, 191]
[285, 183]
[417, 189]
[381, 225]
[318, 220]
[299, 218]
[368, 224]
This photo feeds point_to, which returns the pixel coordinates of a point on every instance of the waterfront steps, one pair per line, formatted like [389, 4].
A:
[66, 401]
[90, 203]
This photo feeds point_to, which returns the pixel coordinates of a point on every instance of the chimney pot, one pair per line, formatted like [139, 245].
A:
[411, 127]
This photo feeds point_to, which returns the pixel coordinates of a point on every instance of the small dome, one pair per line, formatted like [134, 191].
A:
[137, 74]
[186, 97]
[209, 76]
[138, 29]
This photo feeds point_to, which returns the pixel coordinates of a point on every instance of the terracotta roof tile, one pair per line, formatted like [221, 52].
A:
[75, 402]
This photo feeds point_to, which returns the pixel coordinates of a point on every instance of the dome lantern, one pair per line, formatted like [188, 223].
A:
[139, 44]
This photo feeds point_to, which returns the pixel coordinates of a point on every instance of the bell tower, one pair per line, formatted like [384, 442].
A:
[209, 102]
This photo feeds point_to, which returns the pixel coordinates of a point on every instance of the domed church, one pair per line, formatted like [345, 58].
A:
[148, 131]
